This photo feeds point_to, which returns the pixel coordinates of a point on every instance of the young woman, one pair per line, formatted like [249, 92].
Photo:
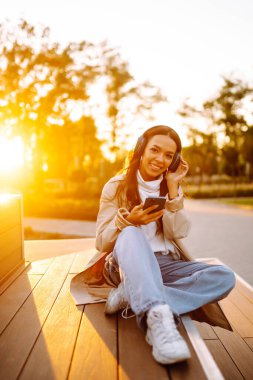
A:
[139, 251]
[155, 282]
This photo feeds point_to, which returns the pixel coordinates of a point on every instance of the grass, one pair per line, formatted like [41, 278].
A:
[219, 190]
[246, 203]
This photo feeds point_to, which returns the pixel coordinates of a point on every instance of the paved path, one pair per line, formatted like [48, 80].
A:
[62, 226]
[222, 231]
[218, 230]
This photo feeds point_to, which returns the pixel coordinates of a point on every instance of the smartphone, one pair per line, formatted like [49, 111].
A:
[151, 201]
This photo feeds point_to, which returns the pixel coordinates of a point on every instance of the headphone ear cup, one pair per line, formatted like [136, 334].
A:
[175, 162]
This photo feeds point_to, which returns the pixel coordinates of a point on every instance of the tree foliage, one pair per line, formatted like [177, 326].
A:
[43, 85]
[202, 154]
[227, 113]
[226, 109]
[125, 96]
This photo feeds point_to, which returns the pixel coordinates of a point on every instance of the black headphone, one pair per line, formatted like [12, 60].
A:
[142, 142]
[175, 162]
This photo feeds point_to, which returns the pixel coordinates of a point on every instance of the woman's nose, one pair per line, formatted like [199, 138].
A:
[160, 158]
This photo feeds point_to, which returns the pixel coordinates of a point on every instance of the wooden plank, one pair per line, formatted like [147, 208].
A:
[52, 352]
[81, 260]
[238, 350]
[212, 372]
[20, 335]
[135, 354]
[10, 263]
[190, 369]
[249, 342]
[11, 251]
[242, 289]
[12, 275]
[10, 214]
[241, 296]
[16, 253]
[205, 330]
[12, 299]
[223, 360]
[95, 355]
[242, 303]
[40, 266]
[10, 241]
[237, 318]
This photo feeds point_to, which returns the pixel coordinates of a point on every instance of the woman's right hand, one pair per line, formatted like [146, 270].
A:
[139, 216]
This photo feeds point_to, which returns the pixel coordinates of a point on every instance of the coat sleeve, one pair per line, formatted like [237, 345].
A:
[110, 220]
[176, 224]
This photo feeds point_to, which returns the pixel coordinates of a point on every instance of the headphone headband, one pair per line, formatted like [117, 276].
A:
[142, 140]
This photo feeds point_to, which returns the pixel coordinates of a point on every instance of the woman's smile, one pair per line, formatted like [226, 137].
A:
[156, 167]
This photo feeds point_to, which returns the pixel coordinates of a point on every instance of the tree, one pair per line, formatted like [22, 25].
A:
[125, 96]
[247, 151]
[41, 85]
[41, 82]
[202, 154]
[226, 109]
[226, 113]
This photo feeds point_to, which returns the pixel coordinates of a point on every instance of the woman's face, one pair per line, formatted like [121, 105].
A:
[157, 157]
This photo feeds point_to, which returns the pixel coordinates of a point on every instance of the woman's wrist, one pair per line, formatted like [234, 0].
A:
[121, 220]
[173, 190]
[127, 218]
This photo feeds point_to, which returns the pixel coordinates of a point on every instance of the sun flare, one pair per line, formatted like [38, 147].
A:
[11, 154]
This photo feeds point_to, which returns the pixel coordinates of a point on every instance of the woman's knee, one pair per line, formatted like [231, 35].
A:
[133, 241]
[130, 234]
[227, 277]
[130, 230]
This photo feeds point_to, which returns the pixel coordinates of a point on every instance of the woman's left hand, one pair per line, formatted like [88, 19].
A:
[179, 174]
[174, 178]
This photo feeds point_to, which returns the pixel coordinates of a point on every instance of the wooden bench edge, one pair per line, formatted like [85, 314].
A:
[205, 358]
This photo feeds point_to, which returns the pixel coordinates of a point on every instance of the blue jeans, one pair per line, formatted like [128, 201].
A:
[151, 278]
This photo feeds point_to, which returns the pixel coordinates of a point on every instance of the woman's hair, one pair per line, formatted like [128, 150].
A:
[129, 185]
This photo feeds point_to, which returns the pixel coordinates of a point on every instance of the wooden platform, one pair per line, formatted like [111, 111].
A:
[45, 336]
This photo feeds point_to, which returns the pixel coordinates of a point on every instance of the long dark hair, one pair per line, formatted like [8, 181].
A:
[129, 185]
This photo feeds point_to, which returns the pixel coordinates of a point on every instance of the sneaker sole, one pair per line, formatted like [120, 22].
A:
[165, 360]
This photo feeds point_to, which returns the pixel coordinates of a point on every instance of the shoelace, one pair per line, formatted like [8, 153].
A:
[125, 311]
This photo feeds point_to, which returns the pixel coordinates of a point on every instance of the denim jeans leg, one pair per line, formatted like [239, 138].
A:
[139, 270]
[190, 285]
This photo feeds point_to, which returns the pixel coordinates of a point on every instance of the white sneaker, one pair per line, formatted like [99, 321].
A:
[116, 300]
[168, 345]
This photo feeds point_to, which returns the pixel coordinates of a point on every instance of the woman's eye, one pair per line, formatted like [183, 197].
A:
[169, 156]
[153, 149]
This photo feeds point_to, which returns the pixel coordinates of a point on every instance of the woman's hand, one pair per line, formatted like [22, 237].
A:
[175, 178]
[139, 216]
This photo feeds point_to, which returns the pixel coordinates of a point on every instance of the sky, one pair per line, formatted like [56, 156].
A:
[182, 46]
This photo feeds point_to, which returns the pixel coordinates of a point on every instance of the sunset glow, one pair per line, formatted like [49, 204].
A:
[11, 154]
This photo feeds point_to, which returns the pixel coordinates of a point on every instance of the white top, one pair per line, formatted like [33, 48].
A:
[157, 240]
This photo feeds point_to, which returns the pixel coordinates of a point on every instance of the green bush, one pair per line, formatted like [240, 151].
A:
[219, 191]
[84, 209]
[53, 206]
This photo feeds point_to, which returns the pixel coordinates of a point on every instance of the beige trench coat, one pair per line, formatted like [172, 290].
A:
[93, 284]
